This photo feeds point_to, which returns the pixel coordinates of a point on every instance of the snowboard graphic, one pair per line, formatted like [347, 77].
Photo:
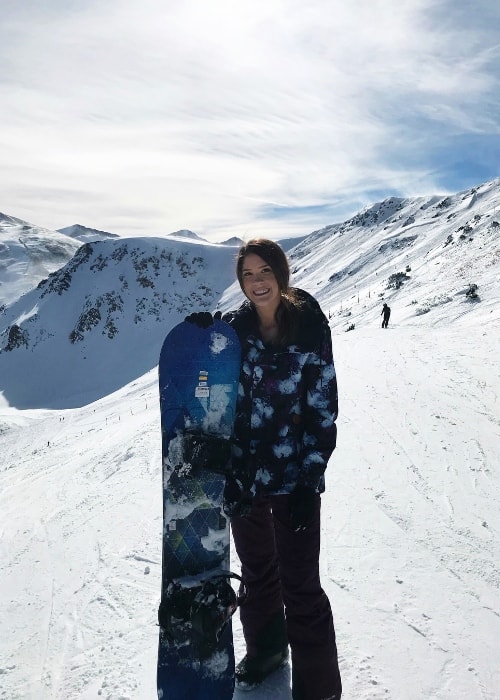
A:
[198, 383]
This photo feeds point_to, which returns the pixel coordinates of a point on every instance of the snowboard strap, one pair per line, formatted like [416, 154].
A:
[206, 451]
[199, 614]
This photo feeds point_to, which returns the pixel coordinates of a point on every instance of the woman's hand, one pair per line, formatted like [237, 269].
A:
[237, 502]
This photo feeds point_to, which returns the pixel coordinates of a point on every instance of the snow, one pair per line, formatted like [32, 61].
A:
[85, 234]
[218, 407]
[218, 343]
[411, 527]
[115, 296]
[187, 234]
[26, 315]
[28, 253]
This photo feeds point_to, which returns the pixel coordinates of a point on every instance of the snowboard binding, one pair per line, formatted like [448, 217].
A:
[198, 614]
[205, 451]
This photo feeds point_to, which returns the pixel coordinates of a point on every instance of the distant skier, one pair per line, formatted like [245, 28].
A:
[386, 311]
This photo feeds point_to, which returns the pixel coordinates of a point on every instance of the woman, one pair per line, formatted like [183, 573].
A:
[284, 435]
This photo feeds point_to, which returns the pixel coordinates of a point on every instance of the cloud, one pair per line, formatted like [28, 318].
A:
[208, 115]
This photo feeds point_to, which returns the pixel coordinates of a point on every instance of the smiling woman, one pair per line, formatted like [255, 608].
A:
[284, 435]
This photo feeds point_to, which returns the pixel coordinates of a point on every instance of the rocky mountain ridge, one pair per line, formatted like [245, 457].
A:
[99, 321]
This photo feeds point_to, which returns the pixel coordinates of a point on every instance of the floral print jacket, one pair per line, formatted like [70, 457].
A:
[285, 428]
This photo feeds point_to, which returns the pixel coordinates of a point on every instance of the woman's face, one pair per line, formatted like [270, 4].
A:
[260, 284]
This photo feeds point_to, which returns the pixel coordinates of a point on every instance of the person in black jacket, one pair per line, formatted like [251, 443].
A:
[386, 312]
[284, 435]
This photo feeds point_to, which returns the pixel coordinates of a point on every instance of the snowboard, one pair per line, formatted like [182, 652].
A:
[198, 383]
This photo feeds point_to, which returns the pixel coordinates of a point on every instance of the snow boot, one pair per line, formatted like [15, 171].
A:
[252, 670]
[272, 653]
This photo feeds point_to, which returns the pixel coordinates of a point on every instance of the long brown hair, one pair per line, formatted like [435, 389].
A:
[274, 255]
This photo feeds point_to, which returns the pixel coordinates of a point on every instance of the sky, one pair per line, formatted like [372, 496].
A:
[262, 117]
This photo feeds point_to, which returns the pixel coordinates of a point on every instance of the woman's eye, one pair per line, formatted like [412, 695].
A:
[265, 272]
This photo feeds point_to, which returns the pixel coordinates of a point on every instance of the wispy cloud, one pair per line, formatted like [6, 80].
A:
[210, 115]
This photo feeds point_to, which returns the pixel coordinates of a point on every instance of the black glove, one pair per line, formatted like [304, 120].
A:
[302, 507]
[237, 502]
[203, 319]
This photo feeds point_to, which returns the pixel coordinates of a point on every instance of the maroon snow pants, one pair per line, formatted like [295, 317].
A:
[281, 569]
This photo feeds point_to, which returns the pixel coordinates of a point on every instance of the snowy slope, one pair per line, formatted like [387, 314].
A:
[411, 530]
[447, 244]
[29, 253]
[289, 243]
[411, 524]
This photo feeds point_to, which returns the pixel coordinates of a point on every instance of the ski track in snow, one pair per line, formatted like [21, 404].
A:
[410, 556]
[421, 434]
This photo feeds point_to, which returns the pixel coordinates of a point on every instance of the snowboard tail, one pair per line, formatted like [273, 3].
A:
[198, 381]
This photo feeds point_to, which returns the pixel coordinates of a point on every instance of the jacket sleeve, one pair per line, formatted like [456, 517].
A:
[320, 413]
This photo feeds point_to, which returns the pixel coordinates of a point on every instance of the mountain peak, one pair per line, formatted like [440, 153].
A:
[86, 234]
[28, 253]
[234, 241]
[186, 233]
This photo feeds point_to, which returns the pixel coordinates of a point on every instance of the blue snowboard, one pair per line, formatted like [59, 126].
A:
[198, 382]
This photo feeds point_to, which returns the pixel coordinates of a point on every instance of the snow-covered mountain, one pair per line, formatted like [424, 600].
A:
[234, 241]
[419, 255]
[289, 243]
[91, 235]
[186, 234]
[410, 517]
[28, 253]
[98, 322]
[426, 255]
[85, 234]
